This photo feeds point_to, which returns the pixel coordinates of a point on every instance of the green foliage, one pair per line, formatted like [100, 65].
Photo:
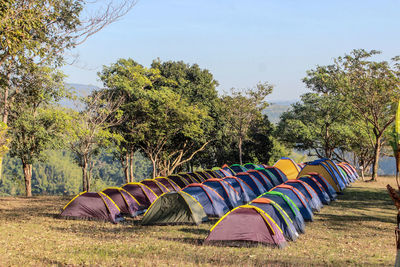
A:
[58, 175]
[242, 109]
[91, 130]
[370, 89]
[38, 29]
[278, 150]
[320, 123]
[35, 124]
[168, 110]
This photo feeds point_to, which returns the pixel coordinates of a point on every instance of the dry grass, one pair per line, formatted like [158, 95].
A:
[358, 229]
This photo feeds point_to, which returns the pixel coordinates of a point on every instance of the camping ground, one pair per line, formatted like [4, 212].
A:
[357, 229]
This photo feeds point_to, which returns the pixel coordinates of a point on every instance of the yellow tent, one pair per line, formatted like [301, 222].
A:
[321, 171]
[288, 167]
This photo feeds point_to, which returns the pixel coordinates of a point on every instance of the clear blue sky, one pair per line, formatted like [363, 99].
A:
[243, 42]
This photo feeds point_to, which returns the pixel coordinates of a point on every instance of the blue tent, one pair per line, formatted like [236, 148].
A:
[312, 197]
[278, 173]
[246, 193]
[221, 173]
[278, 215]
[229, 170]
[238, 168]
[272, 177]
[266, 182]
[213, 204]
[250, 166]
[253, 182]
[297, 197]
[231, 196]
[327, 186]
[322, 194]
[291, 209]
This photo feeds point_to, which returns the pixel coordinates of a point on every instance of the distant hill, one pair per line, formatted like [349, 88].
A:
[274, 110]
[80, 90]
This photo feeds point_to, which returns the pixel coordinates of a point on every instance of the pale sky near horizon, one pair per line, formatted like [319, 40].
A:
[243, 42]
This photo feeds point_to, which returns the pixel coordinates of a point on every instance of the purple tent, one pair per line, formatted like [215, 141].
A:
[246, 224]
[141, 193]
[92, 206]
[125, 201]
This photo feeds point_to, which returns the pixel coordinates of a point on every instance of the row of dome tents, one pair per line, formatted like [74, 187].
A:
[215, 195]
[276, 216]
[207, 195]
[338, 175]
[306, 189]
[131, 199]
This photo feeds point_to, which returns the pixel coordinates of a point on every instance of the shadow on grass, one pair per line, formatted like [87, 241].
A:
[185, 240]
[46, 261]
[27, 213]
[197, 231]
[361, 198]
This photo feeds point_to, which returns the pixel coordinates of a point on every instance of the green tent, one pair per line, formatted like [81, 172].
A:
[175, 208]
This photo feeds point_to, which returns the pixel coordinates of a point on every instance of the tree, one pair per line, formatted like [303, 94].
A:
[41, 31]
[130, 80]
[259, 147]
[168, 111]
[36, 125]
[171, 119]
[319, 123]
[370, 88]
[197, 87]
[242, 109]
[90, 130]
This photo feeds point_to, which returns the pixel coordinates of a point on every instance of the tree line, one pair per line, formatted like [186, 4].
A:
[349, 113]
[171, 112]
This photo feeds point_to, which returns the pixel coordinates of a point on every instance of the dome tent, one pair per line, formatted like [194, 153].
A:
[125, 201]
[144, 195]
[307, 191]
[155, 186]
[278, 215]
[175, 208]
[213, 204]
[246, 225]
[168, 183]
[322, 194]
[226, 190]
[288, 205]
[288, 167]
[92, 206]
[253, 182]
[298, 198]
[246, 193]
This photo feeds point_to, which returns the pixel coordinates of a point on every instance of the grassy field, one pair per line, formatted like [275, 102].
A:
[357, 229]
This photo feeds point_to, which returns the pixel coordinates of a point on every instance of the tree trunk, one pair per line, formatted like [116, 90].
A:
[240, 150]
[328, 153]
[1, 167]
[85, 178]
[125, 164]
[131, 176]
[4, 116]
[5, 101]
[377, 152]
[362, 174]
[28, 178]
[154, 168]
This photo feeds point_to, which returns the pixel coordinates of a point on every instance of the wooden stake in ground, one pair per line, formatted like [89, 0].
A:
[396, 198]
